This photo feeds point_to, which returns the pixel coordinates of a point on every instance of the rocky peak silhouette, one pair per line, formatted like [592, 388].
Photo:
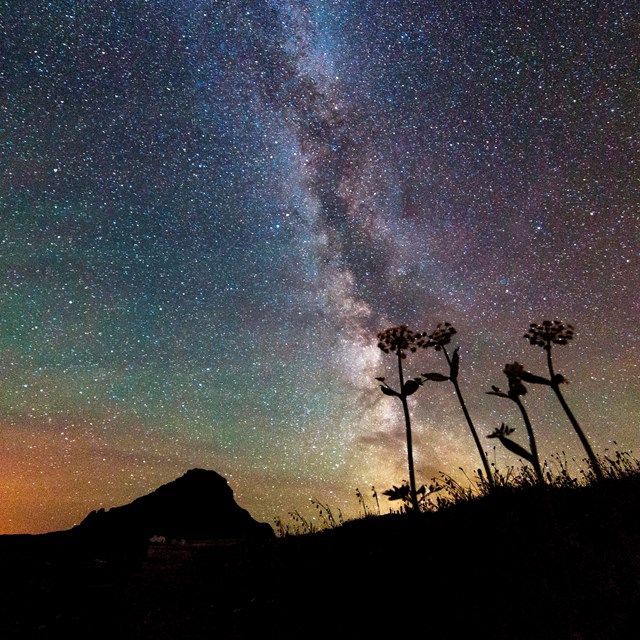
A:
[196, 506]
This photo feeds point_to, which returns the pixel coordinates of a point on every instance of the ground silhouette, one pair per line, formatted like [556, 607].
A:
[526, 564]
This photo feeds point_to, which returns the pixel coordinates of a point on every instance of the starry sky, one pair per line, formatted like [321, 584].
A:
[208, 209]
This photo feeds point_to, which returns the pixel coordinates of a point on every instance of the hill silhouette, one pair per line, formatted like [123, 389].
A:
[198, 505]
[525, 563]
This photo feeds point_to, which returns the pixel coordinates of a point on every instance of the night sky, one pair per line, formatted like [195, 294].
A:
[208, 209]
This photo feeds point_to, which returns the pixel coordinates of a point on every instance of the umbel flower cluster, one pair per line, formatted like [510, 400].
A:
[549, 332]
[440, 337]
[399, 340]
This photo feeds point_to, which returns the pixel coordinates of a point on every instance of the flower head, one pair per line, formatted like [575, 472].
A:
[548, 333]
[515, 372]
[440, 337]
[399, 340]
[502, 431]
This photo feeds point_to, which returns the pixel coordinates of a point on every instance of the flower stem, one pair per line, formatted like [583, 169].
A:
[532, 441]
[407, 422]
[474, 433]
[595, 465]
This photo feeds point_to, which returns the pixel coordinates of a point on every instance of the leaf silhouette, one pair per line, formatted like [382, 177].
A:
[532, 378]
[435, 377]
[455, 363]
[411, 386]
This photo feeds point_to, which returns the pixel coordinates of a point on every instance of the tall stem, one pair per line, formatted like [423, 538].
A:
[532, 441]
[474, 433]
[407, 422]
[595, 465]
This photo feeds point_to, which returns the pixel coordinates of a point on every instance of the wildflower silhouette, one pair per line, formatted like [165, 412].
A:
[399, 340]
[375, 495]
[502, 433]
[515, 373]
[438, 340]
[403, 492]
[363, 504]
[545, 335]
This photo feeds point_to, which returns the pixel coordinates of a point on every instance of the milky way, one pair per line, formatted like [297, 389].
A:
[209, 209]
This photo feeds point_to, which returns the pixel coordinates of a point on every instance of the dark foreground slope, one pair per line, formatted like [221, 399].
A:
[516, 566]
